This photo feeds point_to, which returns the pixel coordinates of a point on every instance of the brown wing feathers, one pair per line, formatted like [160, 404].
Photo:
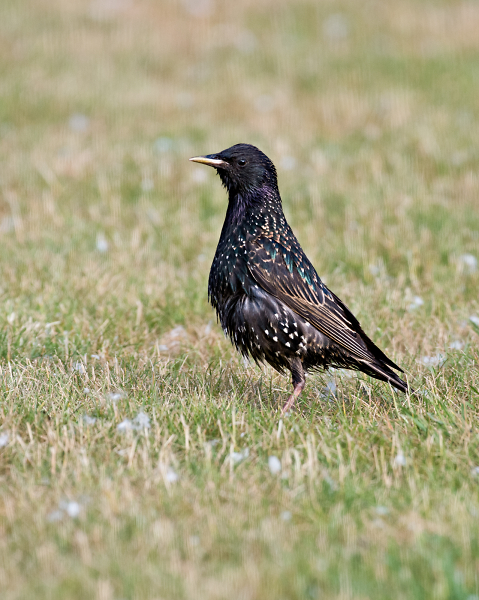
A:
[318, 305]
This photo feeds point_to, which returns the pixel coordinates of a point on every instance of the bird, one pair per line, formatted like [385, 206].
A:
[268, 297]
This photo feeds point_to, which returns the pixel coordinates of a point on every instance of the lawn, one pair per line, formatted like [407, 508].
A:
[140, 457]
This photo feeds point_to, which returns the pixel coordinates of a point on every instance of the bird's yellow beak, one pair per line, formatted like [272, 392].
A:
[210, 161]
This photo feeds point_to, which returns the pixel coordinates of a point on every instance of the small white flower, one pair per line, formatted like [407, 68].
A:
[178, 331]
[456, 345]
[171, 475]
[140, 422]
[78, 122]
[475, 471]
[433, 361]
[474, 319]
[101, 243]
[89, 420]
[11, 318]
[286, 515]
[4, 439]
[400, 460]
[468, 263]
[213, 443]
[115, 396]
[71, 508]
[125, 425]
[382, 510]
[274, 465]
[78, 366]
[329, 391]
[237, 457]
[417, 301]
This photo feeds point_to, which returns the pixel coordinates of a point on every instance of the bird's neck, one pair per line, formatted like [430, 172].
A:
[242, 206]
[238, 207]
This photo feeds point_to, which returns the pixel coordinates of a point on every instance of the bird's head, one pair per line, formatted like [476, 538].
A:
[242, 168]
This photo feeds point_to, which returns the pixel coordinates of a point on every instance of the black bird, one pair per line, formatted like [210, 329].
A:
[267, 295]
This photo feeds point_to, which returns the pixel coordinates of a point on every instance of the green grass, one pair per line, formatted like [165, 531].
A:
[106, 237]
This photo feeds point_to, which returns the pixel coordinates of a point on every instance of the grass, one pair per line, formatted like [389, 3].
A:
[369, 111]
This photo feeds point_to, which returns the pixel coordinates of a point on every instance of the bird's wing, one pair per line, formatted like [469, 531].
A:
[286, 273]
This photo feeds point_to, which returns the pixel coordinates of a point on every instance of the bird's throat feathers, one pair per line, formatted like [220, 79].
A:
[249, 203]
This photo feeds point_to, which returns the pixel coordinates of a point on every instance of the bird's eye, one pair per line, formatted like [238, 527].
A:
[241, 162]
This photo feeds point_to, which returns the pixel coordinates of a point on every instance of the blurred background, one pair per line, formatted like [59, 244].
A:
[369, 111]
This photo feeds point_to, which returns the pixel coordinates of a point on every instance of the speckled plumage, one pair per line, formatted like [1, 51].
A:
[267, 295]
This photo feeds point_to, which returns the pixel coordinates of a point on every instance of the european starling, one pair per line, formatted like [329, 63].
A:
[267, 295]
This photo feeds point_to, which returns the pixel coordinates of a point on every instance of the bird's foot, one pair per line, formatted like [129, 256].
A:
[298, 388]
[288, 405]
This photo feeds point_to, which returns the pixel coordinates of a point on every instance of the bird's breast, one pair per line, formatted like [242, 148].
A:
[229, 271]
[262, 327]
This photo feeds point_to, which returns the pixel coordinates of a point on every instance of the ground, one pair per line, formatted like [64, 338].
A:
[140, 458]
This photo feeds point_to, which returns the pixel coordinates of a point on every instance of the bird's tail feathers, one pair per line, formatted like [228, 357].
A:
[384, 373]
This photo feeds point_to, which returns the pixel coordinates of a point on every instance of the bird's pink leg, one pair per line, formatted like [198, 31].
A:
[298, 388]
[298, 383]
